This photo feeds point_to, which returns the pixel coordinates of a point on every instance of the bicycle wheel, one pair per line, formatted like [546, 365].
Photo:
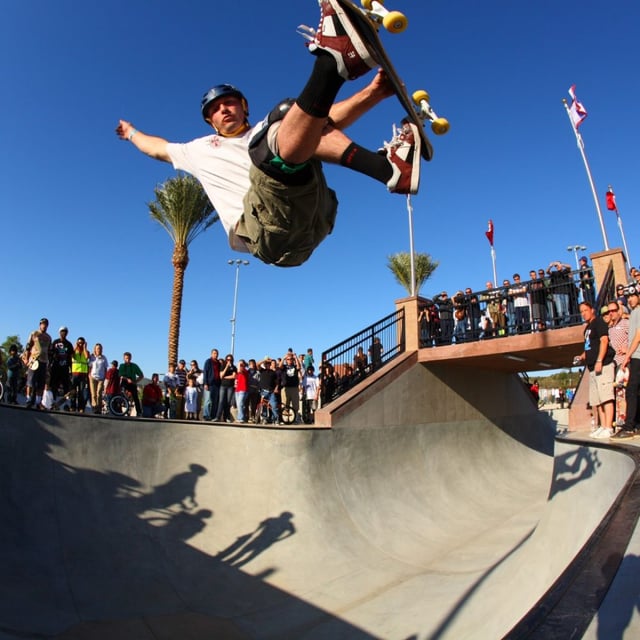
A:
[1, 392]
[287, 414]
[119, 406]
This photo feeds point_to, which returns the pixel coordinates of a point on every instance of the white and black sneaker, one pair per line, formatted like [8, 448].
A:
[403, 153]
[336, 35]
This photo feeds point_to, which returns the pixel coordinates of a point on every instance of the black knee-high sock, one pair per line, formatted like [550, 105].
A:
[321, 90]
[364, 161]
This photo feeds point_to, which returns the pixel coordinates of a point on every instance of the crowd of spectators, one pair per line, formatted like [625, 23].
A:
[549, 298]
[50, 372]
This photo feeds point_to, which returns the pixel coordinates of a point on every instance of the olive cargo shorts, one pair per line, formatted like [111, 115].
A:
[283, 224]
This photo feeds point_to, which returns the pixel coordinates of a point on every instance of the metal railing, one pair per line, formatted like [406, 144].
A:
[516, 308]
[357, 357]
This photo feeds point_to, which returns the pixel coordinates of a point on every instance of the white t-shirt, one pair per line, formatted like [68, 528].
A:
[310, 384]
[222, 167]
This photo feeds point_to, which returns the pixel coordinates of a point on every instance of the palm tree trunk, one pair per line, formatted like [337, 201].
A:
[180, 261]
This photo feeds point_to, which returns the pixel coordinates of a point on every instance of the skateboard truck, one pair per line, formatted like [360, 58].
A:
[439, 126]
[392, 21]
[377, 14]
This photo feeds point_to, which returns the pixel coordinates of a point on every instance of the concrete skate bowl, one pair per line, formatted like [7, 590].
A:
[434, 508]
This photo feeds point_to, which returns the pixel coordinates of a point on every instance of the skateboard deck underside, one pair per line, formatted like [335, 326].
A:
[370, 37]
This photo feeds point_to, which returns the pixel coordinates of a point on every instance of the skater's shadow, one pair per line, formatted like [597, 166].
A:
[573, 467]
[246, 547]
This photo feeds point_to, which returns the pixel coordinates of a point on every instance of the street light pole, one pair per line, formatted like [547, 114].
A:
[575, 248]
[235, 301]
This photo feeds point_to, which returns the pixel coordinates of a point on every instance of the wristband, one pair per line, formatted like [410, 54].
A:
[133, 133]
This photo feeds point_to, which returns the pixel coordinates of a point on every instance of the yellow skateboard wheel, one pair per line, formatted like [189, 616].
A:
[419, 96]
[395, 22]
[367, 4]
[440, 126]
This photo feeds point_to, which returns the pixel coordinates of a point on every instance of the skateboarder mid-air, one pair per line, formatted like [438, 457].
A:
[266, 182]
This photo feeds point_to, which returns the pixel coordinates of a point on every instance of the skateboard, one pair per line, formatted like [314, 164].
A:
[620, 385]
[367, 21]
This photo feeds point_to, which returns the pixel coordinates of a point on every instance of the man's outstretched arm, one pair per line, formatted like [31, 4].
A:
[347, 111]
[152, 146]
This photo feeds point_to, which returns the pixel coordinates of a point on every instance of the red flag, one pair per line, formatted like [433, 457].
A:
[611, 200]
[489, 233]
[577, 112]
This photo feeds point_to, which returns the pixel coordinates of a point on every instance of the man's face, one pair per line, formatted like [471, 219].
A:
[633, 301]
[214, 354]
[587, 313]
[226, 114]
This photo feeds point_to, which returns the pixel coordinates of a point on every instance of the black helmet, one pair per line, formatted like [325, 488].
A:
[218, 91]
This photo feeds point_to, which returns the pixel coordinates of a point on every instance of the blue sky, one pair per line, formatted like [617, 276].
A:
[79, 246]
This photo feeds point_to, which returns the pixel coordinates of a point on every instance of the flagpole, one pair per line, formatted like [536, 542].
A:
[624, 239]
[586, 165]
[493, 260]
[412, 255]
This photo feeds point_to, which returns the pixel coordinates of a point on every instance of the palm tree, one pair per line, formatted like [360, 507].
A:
[183, 209]
[400, 265]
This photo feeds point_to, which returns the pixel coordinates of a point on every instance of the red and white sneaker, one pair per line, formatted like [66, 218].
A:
[403, 153]
[336, 35]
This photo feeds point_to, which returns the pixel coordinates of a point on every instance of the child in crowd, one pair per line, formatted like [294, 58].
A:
[112, 381]
[191, 399]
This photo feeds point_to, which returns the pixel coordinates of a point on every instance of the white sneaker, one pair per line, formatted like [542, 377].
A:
[336, 35]
[603, 434]
[596, 432]
[403, 154]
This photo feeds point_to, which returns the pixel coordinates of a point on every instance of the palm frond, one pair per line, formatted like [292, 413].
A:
[400, 265]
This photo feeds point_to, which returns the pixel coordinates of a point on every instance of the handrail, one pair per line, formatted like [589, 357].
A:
[357, 357]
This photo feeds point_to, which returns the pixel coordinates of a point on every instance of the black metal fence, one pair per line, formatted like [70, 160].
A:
[355, 358]
[549, 301]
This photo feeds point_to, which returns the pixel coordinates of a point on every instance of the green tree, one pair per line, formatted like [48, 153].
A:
[400, 265]
[182, 208]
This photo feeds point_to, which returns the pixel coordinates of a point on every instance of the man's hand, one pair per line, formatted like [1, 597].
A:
[124, 129]
[151, 145]
[380, 85]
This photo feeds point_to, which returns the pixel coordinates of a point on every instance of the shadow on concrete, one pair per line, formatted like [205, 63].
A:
[82, 548]
[612, 621]
[573, 467]
[250, 545]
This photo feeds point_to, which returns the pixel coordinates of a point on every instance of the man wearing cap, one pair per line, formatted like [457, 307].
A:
[598, 357]
[37, 347]
[61, 354]
[632, 362]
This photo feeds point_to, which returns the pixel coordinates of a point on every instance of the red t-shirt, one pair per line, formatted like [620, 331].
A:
[112, 386]
[242, 380]
[151, 395]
